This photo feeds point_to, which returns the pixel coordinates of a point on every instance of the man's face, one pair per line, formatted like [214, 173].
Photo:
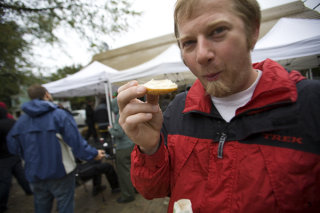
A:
[214, 46]
[48, 97]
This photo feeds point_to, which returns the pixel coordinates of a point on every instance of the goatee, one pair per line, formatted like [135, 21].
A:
[218, 89]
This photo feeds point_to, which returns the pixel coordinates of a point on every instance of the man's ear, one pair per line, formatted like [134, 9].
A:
[255, 35]
[47, 96]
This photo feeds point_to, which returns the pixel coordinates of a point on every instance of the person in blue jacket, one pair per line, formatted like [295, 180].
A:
[47, 138]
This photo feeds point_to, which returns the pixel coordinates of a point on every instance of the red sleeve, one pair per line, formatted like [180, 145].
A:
[150, 173]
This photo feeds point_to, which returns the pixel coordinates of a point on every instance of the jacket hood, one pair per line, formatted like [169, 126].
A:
[268, 64]
[37, 107]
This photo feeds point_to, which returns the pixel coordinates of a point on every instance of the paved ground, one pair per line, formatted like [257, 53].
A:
[85, 203]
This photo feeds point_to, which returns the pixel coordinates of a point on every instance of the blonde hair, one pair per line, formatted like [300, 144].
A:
[248, 10]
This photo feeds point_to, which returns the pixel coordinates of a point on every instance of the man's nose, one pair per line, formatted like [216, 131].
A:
[205, 52]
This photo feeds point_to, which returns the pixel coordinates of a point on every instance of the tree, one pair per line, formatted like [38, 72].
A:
[90, 19]
[63, 72]
[24, 23]
[76, 102]
[12, 61]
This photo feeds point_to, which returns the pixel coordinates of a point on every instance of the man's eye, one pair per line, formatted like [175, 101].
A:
[187, 43]
[218, 31]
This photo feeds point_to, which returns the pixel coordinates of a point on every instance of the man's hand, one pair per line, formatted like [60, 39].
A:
[141, 121]
[101, 154]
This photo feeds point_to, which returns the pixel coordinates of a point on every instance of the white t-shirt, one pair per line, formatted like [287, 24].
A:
[227, 106]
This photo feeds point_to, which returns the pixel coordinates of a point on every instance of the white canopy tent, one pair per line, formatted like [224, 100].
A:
[166, 65]
[91, 80]
[291, 41]
[88, 81]
[96, 78]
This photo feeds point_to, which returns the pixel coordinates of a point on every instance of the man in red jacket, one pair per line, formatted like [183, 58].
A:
[244, 138]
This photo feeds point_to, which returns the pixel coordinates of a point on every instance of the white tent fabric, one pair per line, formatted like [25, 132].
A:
[167, 62]
[289, 38]
[91, 80]
[88, 81]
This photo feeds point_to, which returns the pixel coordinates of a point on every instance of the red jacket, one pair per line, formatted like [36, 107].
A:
[266, 159]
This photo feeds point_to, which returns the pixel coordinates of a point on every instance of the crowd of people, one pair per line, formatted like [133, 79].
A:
[56, 157]
[243, 138]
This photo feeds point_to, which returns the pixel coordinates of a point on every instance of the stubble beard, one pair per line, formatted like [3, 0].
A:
[218, 89]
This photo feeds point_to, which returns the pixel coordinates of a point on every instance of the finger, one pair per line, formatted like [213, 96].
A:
[135, 119]
[153, 99]
[129, 94]
[136, 107]
[127, 85]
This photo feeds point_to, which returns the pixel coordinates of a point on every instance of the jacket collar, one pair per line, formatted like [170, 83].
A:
[276, 85]
[197, 99]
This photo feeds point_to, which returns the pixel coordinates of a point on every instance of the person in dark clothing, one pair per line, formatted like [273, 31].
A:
[4, 106]
[94, 170]
[102, 120]
[10, 165]
[90, 122]
[101, 114]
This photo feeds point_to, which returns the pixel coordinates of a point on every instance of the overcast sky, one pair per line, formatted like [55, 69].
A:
[156, 20]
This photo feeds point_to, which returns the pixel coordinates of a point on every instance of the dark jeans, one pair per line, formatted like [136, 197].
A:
[11, 166]
[91, 132]
[94, 169]
[60, 189]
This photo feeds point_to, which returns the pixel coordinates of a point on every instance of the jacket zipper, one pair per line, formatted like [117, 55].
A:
[222, 139]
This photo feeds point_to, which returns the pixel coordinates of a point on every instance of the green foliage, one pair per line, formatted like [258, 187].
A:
[12, 82]
[24, 23]
[90, 19]
[12, 46]
[13, 64]
[64, 72]
[76, 102]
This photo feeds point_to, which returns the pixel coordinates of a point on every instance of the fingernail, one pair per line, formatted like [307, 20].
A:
[141, 89]
[131, 83]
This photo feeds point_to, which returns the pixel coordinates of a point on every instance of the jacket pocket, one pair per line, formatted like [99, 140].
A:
[188, 154]
[295, 178]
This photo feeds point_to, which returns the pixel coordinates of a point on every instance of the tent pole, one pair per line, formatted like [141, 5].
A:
[311, 74]
[108, 102]
[110, 95]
